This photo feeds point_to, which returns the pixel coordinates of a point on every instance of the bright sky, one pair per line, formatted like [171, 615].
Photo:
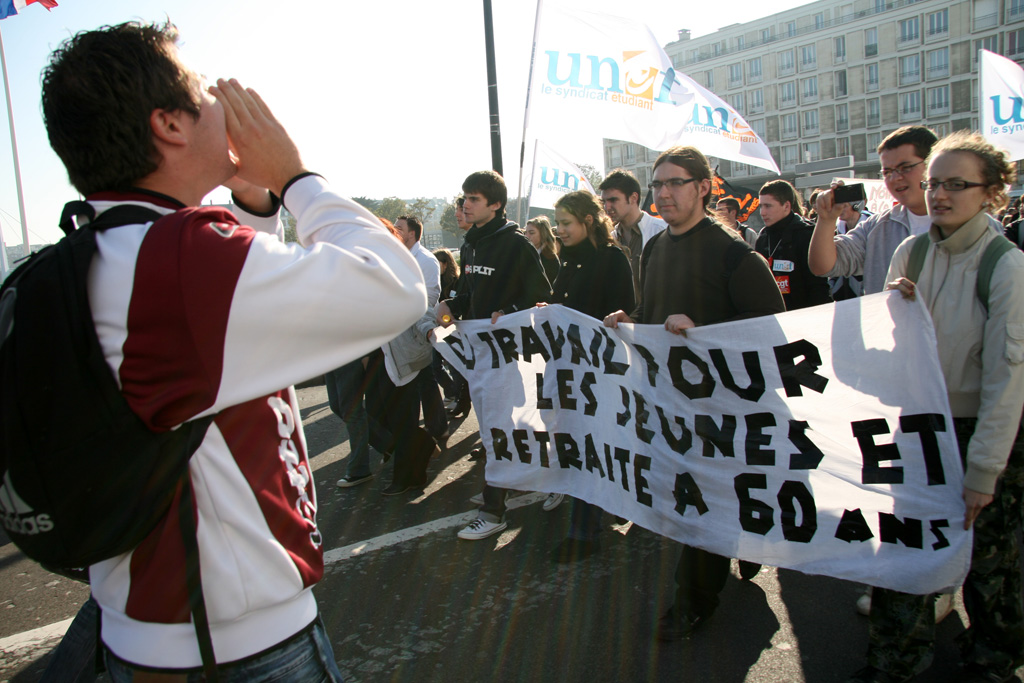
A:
[384, 98]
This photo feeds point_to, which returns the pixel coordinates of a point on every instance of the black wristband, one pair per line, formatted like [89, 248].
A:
[275, 206]
[294, 180]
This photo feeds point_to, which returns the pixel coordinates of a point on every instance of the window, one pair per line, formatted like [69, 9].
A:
[879, 6]
[808, 58]
[941, 129]
[1015, 42]
[739, 102]
[630, 150]
[811, 122]
[758, 127]
[735, 75]
[910, 69]
[910, 30]
[809, 88]
[842, 147]
[938, 63]
[938, 101]
[786, 63]
[790, 29]
[740, 43]
[819, 21]
[938, 23]
[691, 56]
[985, 14]
[756, 101]
[871, 77]
[839, 51]
[789, 129]
[716, 49]
[1014, 10]
[910, 105]
[754, 70]
[789, 156]
[874, 113]
[616, 156]
[990, 43]
[842, 117]
[787, 94]
[870, 42]
[766, 35]
[841, 83]
[812, 152]
[709, 79]
[874, 140]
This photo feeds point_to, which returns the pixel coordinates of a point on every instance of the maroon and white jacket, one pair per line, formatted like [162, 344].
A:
[197, 315]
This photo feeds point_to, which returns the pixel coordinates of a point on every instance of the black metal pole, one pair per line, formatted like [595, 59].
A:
[492, 89]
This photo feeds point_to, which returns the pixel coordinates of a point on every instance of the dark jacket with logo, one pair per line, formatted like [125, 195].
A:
[501, 271]
[593, 280]
[785, 245]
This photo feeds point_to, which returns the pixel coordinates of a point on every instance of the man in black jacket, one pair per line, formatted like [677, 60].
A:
[501, 273]
[784, 242]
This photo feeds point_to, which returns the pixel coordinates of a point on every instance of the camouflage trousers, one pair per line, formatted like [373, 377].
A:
[902, 631]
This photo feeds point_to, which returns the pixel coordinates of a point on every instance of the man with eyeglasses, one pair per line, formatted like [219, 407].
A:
[696, 272]
[867, 249]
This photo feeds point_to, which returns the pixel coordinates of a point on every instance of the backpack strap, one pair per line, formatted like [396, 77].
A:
[993, 252]
[918, 252]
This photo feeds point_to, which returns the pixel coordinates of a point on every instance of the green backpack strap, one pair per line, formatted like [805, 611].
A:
[918, 251]
[993, 252]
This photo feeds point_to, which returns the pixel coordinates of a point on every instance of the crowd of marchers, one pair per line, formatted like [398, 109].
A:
[203, 314]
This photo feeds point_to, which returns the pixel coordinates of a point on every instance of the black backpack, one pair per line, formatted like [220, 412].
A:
[83, 478]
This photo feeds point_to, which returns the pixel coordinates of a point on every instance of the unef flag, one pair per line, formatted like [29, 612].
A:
[553, 176]
[11, 7]
[608, 75]
[1002, 103]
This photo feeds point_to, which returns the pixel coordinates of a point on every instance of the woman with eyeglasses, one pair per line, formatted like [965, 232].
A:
[982, 357]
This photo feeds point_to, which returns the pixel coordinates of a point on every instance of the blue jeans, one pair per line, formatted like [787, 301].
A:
[346, 387]
[305, 657]
[74, 661]
[435, 421]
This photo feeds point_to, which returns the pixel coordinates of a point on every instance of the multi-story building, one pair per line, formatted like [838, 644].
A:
[834, 77]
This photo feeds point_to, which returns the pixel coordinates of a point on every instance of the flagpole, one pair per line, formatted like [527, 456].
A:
[3, 256]
[14, 147]
[492, 89]
[526, 112]
[529, 193]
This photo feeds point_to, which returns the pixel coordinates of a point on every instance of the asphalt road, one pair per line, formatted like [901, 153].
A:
[405, 601]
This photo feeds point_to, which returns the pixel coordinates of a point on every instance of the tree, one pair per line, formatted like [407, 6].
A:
[592, 174]
[421, 208]
[370, 204]
[391, 208]
[288, 221]
[448, 223]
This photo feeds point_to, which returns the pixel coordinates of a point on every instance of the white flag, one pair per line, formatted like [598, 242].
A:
[608, 75]
[1002, 103]
[553, 176]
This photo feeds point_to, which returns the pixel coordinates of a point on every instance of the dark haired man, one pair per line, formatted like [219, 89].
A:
[410, 230]
[783, 242]
[867, 248]
[728, 210]
[198, 315]
[694, 273]
[501, 273]
[620, 195]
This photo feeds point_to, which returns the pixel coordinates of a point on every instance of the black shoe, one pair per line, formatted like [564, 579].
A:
[394, 489]
[478, 453]
[870, 674]
[574, 549]
[674, 626]
[748, 570]
[461, 407]
[975, 673]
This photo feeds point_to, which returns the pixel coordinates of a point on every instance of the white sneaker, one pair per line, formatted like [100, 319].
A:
[943, 606]
[552, 501]
[480, 528]
[478, 499]
[864, 603]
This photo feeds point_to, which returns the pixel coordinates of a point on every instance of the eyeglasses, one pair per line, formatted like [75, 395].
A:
[949, 185]
[674, 183]
[900, 171]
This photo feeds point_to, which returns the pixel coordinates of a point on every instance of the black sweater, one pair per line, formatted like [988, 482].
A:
[594, 280]
[785, 246]
[501, 271]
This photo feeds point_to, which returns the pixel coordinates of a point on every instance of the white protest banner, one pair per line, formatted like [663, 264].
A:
[554, 176]
[1002, 103]
[818, 440]
[608, 74]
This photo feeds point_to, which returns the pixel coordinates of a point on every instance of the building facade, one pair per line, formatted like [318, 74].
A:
[834, 77]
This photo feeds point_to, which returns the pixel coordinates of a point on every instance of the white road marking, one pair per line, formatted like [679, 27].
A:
[38, 637]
